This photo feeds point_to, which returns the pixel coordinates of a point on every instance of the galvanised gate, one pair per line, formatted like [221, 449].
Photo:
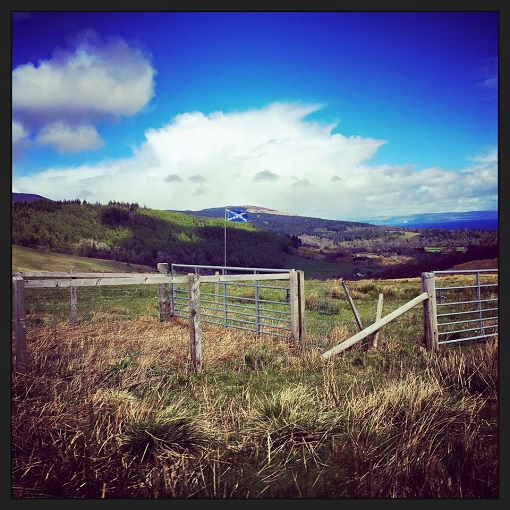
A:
[261, 306]
[467, 305]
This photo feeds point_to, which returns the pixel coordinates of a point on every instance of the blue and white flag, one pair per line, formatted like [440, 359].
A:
[236, 215]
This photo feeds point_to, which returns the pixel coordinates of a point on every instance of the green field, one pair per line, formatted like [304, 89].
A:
[319, 269]
[27, 259]
[439, 249]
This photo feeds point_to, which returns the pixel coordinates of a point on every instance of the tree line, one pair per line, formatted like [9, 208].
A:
[129, 233]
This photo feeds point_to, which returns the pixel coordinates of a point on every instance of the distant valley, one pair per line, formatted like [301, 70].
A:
[323, 248]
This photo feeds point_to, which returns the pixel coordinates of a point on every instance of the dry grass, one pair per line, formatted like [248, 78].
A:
[114, 410]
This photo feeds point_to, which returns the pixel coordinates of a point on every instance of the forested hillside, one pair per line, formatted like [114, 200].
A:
[130, 233]
[137, 235]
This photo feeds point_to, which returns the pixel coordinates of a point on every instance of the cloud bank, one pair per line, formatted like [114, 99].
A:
[59, 102]
[274, 157]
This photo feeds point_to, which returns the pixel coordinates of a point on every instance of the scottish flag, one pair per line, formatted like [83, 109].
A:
[236, 215]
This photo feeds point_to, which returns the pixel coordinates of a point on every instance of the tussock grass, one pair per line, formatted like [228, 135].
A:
[114, 410]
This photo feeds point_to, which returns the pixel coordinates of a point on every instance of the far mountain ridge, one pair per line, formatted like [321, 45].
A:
[281, 221]
[440, 220]
[276, 220]
[27, 197]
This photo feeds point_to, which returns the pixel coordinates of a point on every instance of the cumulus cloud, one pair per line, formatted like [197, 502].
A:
[197, 178]
[265, 176]
[320, 172]
[65, 138]
[487, 78]
[18, 132]
[88, 82]
[488, 155]
[173, 178]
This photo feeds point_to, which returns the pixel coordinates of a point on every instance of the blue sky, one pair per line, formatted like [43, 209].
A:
[339, 115]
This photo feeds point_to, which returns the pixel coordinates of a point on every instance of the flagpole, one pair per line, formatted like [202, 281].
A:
[225, 264]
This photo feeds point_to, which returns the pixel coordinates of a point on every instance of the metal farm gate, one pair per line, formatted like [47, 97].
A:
[262, 306]
[467, 305]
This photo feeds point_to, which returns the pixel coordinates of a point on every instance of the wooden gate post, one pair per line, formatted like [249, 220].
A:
[430, 311]
[165, 310]
[195, 334]
[20, 327]
[74, 301]
[378, 316]
[297, 304]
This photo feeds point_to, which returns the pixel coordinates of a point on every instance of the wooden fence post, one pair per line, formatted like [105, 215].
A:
[353, 308]
[195, 334]
[301, 301]
[20, 327]
[428, 282]
[74, 302]
[378, 315]
[297, 304]
[165, 310]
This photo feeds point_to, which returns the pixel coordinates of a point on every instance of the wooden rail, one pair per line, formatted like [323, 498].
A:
[375, 326]
[72, 280]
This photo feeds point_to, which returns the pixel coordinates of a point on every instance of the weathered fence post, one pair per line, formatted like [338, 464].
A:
[74, 302]
[20, 327]
[378, 315]
[297, 304]
[195, 335]
[430, 311]
[353, 308]
[165, 310]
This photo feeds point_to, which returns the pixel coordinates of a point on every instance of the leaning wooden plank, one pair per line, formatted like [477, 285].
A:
[374, 327]
[353, 308]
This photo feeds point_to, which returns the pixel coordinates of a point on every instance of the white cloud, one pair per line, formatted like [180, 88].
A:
[487, 78]
[489, 155]
[199, 161]
[80, 86]
[66, 138]
[265, 176]
[18, 132]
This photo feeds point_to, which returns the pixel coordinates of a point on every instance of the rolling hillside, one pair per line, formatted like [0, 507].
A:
[132, 235]
[138, 235]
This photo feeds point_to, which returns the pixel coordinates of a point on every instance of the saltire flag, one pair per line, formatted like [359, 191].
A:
[236, 215]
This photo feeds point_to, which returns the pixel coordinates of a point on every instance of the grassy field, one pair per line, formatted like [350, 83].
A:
[27, 259]
[319, 269]
[111, 407]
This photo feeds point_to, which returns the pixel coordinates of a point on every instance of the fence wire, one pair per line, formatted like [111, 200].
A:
[51, 306]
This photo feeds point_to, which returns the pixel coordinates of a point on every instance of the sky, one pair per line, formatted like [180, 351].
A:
[337, 115]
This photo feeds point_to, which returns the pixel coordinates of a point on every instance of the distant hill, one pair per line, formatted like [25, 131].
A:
[27, 197]
[286, 223]
[137, 235]
[472, 220]
[282, 222]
